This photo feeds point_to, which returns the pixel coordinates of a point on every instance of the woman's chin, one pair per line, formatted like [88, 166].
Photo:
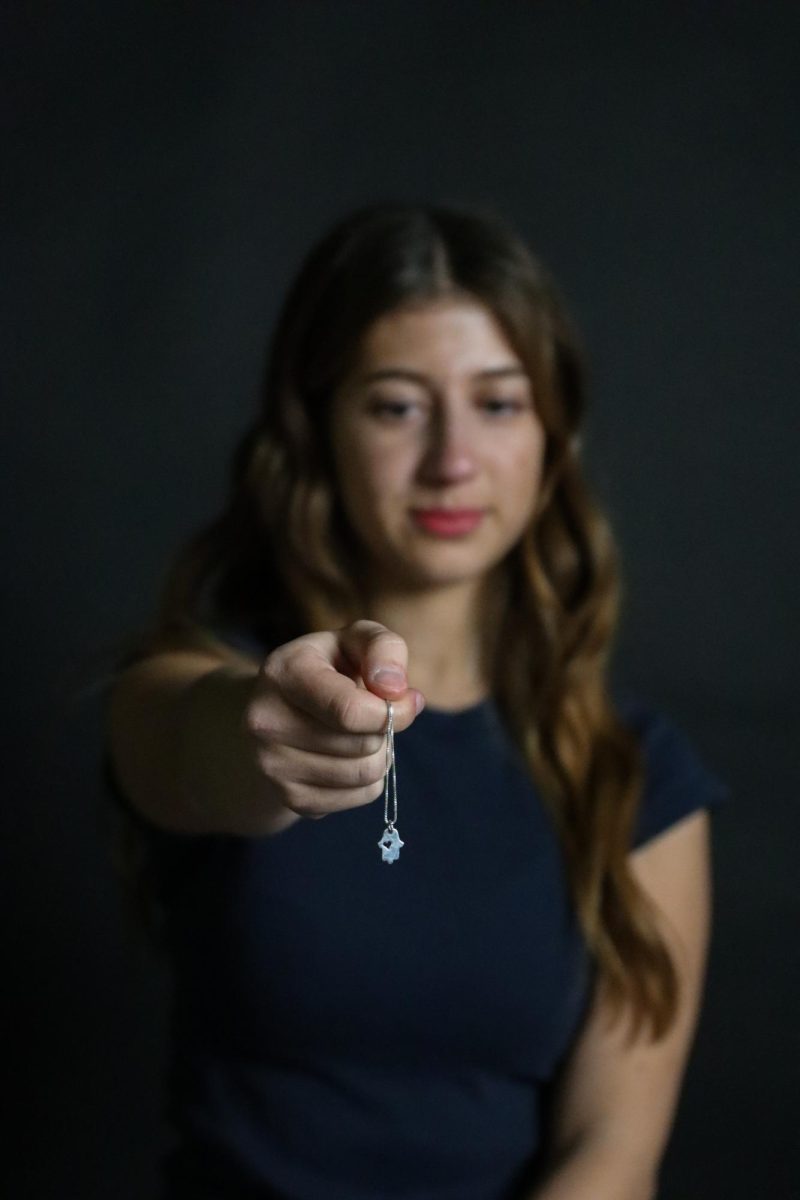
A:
[410, 575]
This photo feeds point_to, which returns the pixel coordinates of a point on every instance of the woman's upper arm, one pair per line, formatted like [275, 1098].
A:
[622, 1096]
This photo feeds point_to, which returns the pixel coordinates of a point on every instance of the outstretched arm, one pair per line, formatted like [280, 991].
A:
[614, 1104]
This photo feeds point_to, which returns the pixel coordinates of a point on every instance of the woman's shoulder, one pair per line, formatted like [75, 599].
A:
[241, 638]
[679, 778]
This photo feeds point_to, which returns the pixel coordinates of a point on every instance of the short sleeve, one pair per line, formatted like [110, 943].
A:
[240, 638]
[677, 779]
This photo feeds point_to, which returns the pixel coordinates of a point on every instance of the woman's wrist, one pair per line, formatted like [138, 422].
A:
[222, 785]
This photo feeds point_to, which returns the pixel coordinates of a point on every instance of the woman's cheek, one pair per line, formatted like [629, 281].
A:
[371, 485]
[388, 471]
[520, 482]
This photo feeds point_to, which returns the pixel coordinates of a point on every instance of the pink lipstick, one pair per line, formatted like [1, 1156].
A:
[447, 522]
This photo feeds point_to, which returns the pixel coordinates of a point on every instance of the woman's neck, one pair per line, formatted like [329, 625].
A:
[444, 630]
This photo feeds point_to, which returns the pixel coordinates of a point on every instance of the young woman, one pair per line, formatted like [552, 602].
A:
[497, 1004]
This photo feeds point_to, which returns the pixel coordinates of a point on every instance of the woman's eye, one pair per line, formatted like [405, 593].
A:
[502, 404]
[391, 410]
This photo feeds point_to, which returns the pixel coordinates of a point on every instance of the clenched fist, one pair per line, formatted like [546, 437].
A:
[318, 715]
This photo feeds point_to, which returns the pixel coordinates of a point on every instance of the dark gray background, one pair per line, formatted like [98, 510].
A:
[167, 165]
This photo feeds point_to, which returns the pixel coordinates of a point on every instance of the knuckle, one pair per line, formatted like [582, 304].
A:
[345, 710]
[365, 774]
[269, 764]
[365, 625]
[272, 665]
[370, 745]
[283, 664]
[372, 770]
[253, 719]
[368, 795]
[260, 721]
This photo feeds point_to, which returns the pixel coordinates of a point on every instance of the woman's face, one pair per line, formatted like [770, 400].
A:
[437, 445]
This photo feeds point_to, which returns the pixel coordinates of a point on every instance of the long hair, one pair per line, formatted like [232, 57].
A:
[280, 560]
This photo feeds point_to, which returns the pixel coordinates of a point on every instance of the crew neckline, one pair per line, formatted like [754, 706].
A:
[449, 717]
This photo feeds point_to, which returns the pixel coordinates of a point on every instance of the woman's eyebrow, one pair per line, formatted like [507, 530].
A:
[419, 377]
[496, 372]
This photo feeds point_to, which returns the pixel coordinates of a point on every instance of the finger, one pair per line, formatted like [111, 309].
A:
[299, 767]
[379, 655]
[307, 680]
[299, 733]
[275, 723]
[315, 803]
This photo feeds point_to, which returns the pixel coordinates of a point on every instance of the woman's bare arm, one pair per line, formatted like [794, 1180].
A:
[615, 1102]
[204, 745]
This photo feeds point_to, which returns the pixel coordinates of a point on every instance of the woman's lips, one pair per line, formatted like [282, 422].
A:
[447, 522]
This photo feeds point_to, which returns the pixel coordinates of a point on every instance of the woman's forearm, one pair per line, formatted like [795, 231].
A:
[219, 778]
[181, 752]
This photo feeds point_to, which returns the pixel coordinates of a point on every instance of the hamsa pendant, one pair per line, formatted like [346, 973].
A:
[390, 844]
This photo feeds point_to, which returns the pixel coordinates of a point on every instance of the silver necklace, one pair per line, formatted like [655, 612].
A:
[390, 842]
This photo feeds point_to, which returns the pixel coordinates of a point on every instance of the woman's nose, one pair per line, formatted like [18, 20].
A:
[450, 454]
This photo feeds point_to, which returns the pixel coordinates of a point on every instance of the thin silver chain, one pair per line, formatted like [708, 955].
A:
[390, 768]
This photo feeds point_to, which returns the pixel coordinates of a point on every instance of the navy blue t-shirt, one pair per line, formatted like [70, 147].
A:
[348, 1029]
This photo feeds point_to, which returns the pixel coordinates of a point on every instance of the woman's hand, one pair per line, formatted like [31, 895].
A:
[318, 715]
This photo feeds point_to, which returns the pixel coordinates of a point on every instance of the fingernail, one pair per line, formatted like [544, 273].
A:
[391, 676]
[419, 702]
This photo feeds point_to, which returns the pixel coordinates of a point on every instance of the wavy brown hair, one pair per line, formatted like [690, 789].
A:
[280, 560]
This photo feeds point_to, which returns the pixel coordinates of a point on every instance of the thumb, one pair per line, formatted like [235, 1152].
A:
[379, 656]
